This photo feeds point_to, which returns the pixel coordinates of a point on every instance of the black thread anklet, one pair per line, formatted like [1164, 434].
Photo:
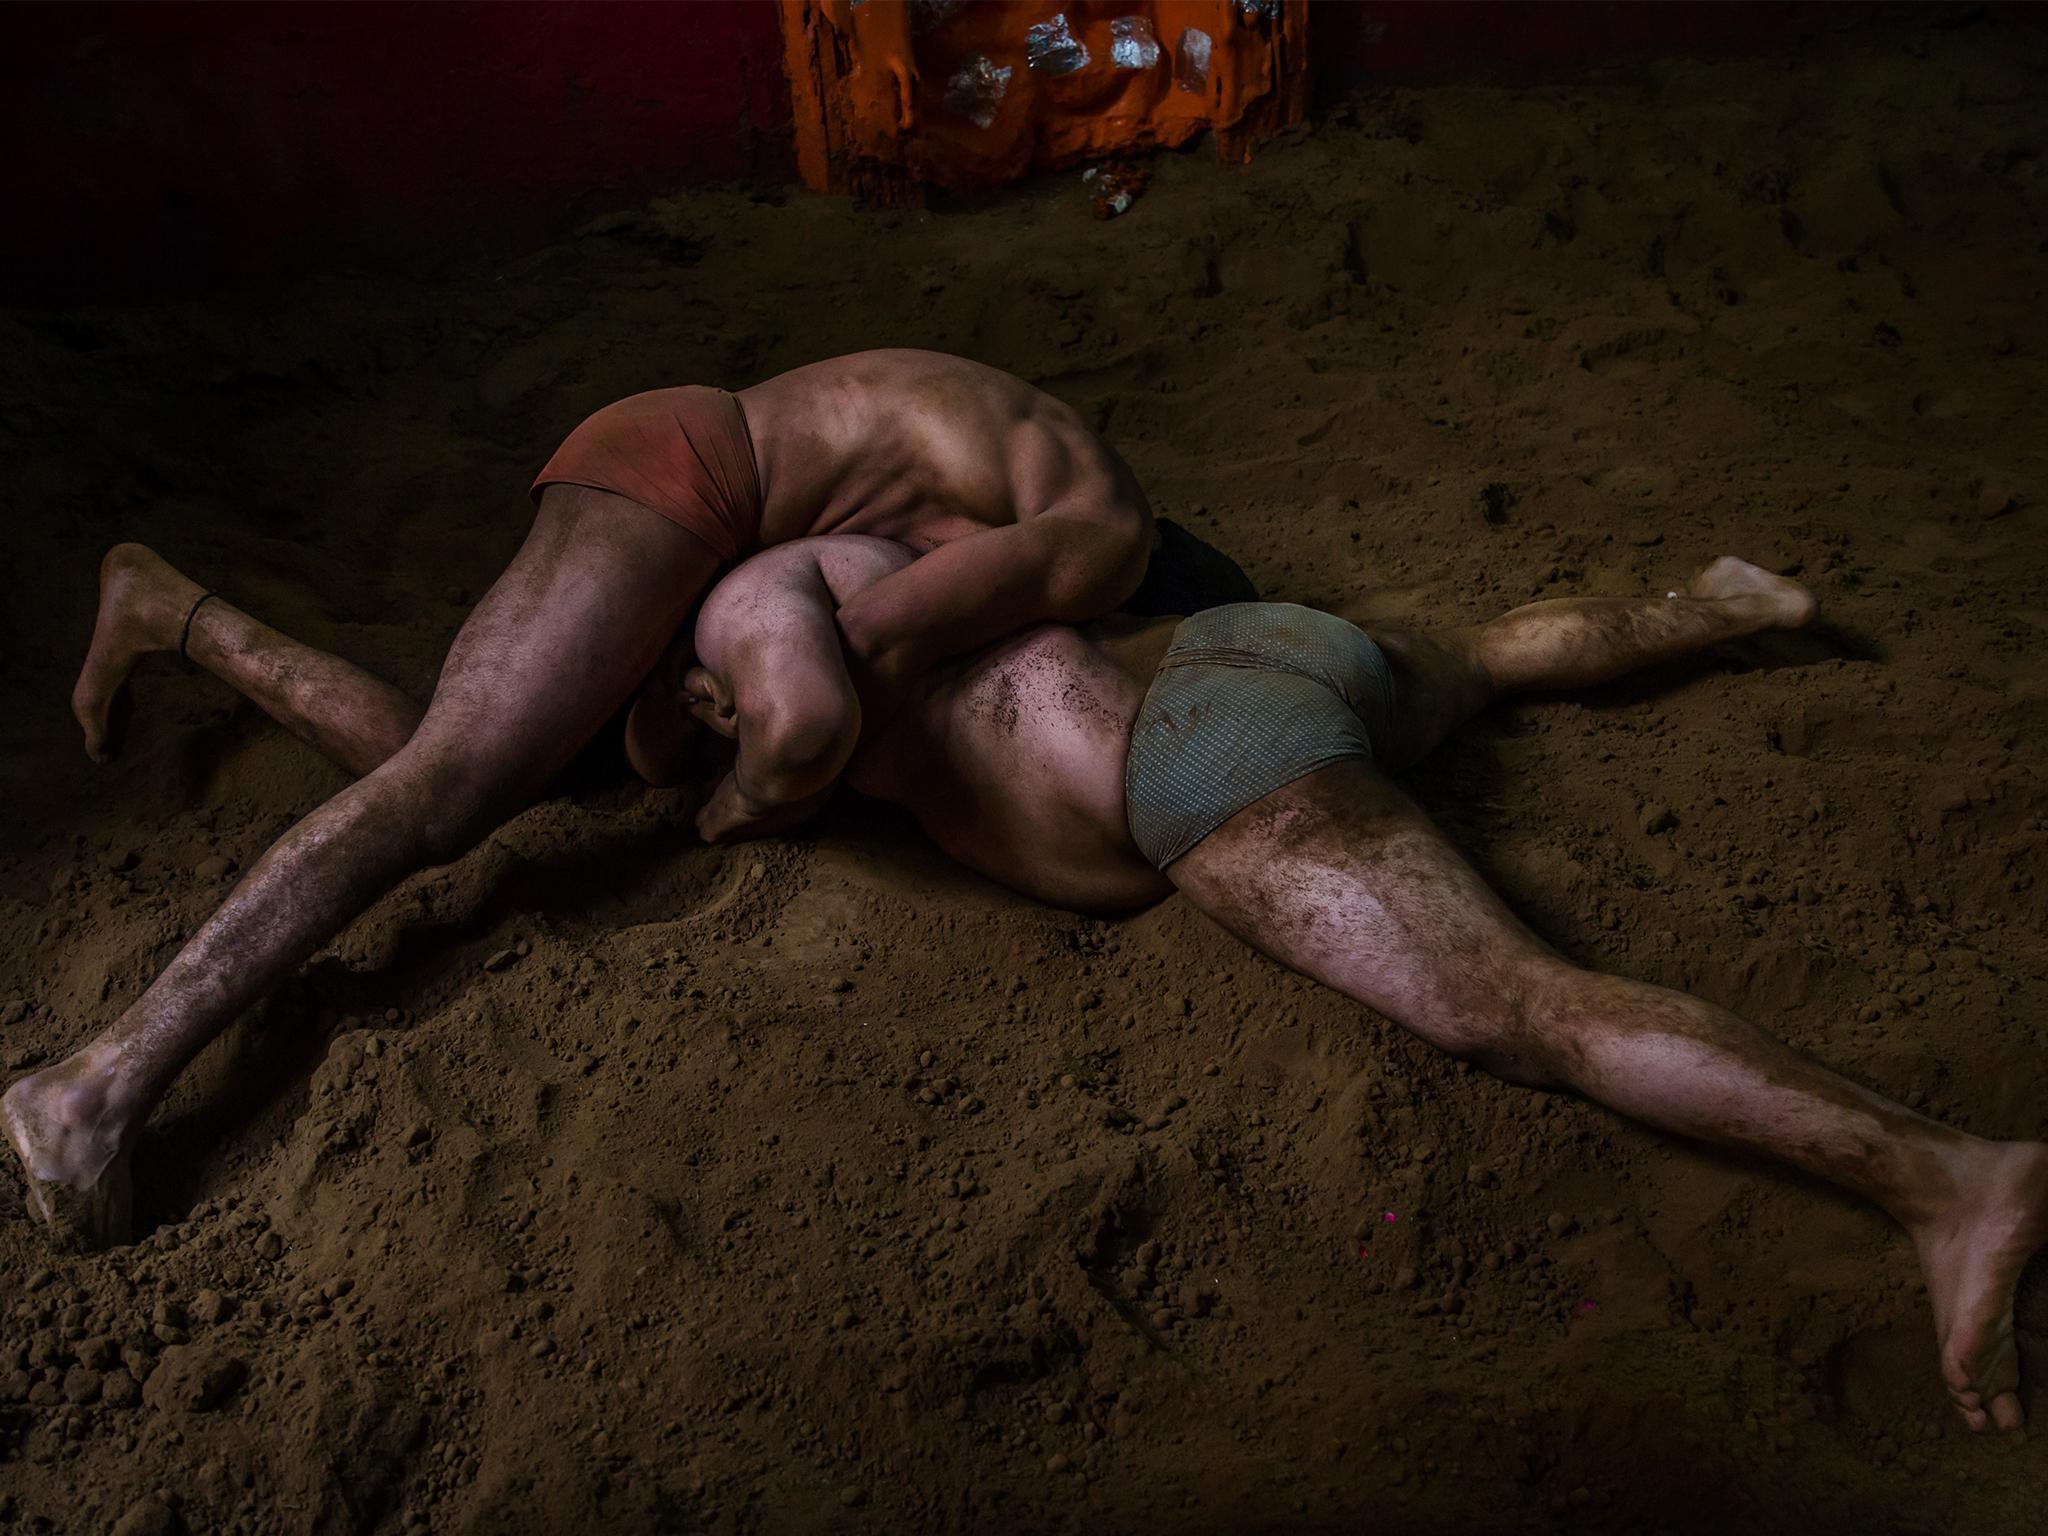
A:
[185, 635]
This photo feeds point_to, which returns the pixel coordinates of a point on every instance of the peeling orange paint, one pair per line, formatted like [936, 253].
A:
[889, 97]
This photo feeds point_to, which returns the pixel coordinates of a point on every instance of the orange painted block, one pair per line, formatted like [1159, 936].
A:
[893, 95]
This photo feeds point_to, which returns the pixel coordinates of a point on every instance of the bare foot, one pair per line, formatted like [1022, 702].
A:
[1973, 1256]
[143, 602]
[77, 1171]
[1783, 601]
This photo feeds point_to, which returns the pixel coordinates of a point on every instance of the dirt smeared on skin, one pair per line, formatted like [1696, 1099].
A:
[996, 701]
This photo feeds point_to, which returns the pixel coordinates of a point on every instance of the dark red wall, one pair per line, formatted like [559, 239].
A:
[153, 146]
[158, 147]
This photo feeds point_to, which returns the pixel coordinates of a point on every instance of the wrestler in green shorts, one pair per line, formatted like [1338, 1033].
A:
[1250, 697]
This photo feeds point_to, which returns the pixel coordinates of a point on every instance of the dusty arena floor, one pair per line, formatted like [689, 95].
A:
[602, 1181]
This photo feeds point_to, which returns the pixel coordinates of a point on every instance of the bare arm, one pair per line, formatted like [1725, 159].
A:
[1064, 565]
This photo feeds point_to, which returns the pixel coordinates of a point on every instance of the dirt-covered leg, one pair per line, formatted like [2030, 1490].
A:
[353, 719]
[1341, 877]
[1446, 677]
[557, 644]
[1576, 642]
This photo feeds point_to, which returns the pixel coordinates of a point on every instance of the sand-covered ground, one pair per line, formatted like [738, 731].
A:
[603, 1181]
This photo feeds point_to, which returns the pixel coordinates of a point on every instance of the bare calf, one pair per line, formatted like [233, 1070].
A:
[557, 644]
[1343, 878]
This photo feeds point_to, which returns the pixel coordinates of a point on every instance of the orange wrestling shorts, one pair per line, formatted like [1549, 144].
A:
[685, 453]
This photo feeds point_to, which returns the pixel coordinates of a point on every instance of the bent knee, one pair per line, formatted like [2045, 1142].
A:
[1439, 684]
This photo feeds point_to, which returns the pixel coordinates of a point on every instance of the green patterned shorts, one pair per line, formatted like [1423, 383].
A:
[1250, 697]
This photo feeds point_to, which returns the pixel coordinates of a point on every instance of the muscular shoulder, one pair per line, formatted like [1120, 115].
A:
[789, 581]
[842, 563]
[852, 562]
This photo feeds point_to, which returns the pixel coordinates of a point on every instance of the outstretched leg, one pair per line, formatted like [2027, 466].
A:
[348, 716]
[1341, 877]
[1575, 642]
[555, 646]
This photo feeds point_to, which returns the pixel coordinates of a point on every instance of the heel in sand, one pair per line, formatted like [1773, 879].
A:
[83, 1220]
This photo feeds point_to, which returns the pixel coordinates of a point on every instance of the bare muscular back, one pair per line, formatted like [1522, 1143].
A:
[921, 448]
[1013, 762]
